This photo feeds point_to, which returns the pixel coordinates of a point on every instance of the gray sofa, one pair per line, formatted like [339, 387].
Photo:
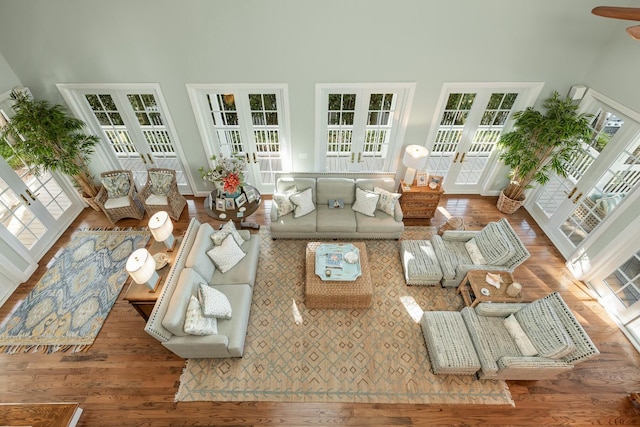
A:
[191, 267]
[327, 223]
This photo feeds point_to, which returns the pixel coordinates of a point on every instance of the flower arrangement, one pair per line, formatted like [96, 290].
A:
[227, 174]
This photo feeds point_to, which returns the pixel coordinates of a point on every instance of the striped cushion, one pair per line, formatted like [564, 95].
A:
[545, 330]
[494, 244]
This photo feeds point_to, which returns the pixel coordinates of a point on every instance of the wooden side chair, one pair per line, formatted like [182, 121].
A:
[118, 197]
[160, 193]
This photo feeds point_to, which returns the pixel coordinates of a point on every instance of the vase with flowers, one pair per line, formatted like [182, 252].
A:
[227, 174]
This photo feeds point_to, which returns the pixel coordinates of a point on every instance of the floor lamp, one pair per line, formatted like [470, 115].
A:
[415, 158]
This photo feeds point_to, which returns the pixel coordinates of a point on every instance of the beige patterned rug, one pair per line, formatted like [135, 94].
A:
[375, 355]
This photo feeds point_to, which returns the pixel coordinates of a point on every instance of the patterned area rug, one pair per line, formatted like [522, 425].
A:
[66, 309]
[376, 355]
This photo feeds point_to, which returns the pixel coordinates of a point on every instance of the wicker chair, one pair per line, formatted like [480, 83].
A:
[160, 193]
[118, 197]
[497, 242]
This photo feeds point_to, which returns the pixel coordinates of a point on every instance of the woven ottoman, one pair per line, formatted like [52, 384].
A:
[448, 343]
[419, 262]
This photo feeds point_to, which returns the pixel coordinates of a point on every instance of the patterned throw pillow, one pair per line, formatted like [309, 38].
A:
[303, 202]
[117, 185]
[366, 202]
[228, 228]
[195, 323]
[387, 200]
[285, 206]
[160, 183]
[227, 255]
[214, 303]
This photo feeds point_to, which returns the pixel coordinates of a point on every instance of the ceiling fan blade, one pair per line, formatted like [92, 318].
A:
[634, 32]
[630, 13]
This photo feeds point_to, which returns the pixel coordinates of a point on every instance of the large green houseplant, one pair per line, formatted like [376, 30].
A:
[539, 145]
[48, 138]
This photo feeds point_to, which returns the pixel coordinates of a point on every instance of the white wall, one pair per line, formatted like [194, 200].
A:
[302, 43]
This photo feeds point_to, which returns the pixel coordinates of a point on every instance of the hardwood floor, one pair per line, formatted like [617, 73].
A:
[127, 378]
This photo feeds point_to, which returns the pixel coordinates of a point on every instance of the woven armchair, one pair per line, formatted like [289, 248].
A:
[160, 193]
[118, 197]
[494, 248]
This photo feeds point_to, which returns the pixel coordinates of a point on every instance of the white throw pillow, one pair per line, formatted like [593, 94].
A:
[474, 252]
[228, 228]
[304, 203]
[519, 336]
[214, 303]
[195, 323]
[387, 201]
[366, 202]
[227, 255]
[283, 201]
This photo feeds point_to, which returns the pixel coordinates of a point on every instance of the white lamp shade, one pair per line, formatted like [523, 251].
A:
[415, 157]
[141, 266]
[161, 226]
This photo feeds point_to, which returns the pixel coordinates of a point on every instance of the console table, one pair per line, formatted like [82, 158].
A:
[231, 210]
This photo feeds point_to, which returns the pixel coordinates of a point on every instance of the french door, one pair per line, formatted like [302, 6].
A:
[361, 127]
[470, 120]
[571, 209]
[134, 123]
[249, 120]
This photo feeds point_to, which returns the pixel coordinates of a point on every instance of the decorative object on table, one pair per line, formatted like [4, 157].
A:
[241, 200]
[539, 145]
[494, 280]
[434, 181]
[220, 204]
[351, 257]
[288, 323]
[252, 196]
[414, 158]
[141, 266]
[161, 228]
[67, 307]
[48, 138]
[422, 179]
[453, 223]
[227, 173]
[229, 203]
[336, 204]
[514, 289]
[161, 260]
[330, 257]
[485, 292]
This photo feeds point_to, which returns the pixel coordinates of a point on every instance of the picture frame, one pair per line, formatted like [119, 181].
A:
[241, 200]
[220, 204]
[422, 179]
[435, 181]
[229, 204]
[251, 194]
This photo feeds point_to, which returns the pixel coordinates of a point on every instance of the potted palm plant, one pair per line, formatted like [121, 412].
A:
[48, 138]
[540, 145]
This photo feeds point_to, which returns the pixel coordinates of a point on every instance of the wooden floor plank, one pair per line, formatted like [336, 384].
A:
[127, 378]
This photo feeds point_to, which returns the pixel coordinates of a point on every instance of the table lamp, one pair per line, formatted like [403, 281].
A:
[161, 228]
[415, 157]
[142, 268]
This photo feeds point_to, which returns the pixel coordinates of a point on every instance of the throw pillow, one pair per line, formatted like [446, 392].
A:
[387, 200]
[303, 201]
[283, 201]
[228, 229]
[195, 323]
[160, 183]
[214, 303]
[227, 255]
[117, 185]
[366, 202]
[521, 339]
[474, 252]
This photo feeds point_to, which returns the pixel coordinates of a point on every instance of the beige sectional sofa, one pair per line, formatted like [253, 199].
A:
[191, 267]
[327, 223]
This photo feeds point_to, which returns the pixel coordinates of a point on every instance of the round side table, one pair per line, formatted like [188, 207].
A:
[236, 209]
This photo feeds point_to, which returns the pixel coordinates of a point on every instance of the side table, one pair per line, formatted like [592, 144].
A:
[139, 295]
[419, 201]
[475, 280]
[235, 209]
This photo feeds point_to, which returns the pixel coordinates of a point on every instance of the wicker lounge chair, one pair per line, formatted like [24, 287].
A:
[118, 197]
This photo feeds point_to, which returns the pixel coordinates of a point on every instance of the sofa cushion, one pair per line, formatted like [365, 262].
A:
[387, 201]
[246, 270]
[380, 222]
[188, 282]
[197, 257]
[214, 303]
[543, 327]
[388, 184]
[196, 323]
[303, 201]
[335, 220]
[228, 228]
[236, 328]
[494, 244]
[301, 183]
[366, 202]
[328, 188]
[226, 255]
[283, 201]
